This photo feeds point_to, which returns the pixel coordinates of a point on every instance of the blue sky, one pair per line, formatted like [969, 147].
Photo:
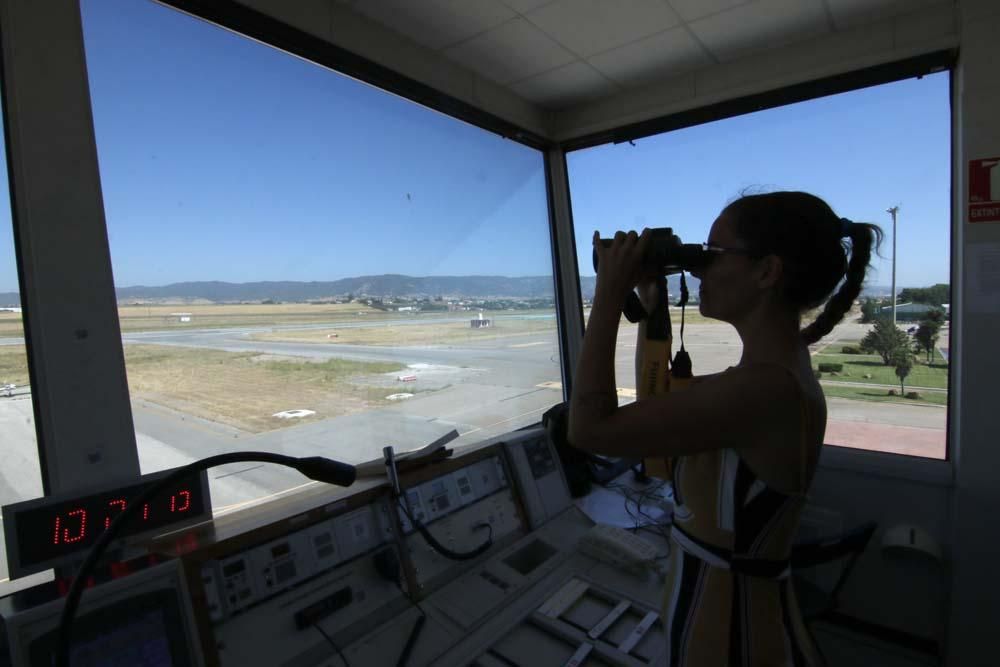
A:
[222, 159]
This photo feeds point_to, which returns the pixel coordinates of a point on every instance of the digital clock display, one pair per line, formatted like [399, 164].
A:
[45, 532]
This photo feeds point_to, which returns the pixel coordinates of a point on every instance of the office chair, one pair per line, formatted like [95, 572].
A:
[814, 602]
[819, 605]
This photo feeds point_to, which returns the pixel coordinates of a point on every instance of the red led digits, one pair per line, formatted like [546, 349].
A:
[120, 504]
[186, 502]
[81, 532]
[145, 511]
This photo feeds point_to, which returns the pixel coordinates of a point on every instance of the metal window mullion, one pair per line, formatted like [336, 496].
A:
[569, 306]
[83, 419]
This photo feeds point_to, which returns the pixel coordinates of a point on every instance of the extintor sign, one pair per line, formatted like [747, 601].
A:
[984, 190]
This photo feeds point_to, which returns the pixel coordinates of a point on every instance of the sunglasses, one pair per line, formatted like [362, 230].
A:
[712, 251]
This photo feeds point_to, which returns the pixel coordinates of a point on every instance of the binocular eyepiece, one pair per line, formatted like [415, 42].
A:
[667, 254]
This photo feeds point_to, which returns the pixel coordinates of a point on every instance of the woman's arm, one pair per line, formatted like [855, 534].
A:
[594, 394]
[738, 409]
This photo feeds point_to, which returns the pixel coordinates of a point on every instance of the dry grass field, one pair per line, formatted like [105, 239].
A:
[13, 365]
[245, 389]
[10, 325]
[207, 316]
[436, 333]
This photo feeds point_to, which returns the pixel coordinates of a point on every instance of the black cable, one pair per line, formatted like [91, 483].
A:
[654, 526]
[313, 467]
[443, 550]
[333, 644]
[411, 641]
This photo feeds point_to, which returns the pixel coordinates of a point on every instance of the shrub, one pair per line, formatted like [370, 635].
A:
[850, 349]
[831, 368]
[818, 375]
[914, 395]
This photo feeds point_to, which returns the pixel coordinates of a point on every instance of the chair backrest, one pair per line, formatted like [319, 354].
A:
[849, 545]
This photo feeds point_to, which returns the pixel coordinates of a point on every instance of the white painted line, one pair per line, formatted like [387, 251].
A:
[541, 342]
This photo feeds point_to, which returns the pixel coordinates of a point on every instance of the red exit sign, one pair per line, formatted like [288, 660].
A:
[984, 190]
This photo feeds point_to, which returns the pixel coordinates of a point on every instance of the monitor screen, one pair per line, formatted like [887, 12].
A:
[146, 629]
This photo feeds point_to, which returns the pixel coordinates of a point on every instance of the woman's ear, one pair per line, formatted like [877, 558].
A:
[770, 268]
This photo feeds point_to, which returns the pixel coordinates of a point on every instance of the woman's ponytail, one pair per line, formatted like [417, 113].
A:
[863, 238]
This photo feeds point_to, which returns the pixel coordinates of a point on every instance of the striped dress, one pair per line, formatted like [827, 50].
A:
[729, 599]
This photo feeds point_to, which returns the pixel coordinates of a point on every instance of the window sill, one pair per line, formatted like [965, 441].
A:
[880, 464]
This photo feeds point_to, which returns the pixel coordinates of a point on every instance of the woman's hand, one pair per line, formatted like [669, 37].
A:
[620, 265]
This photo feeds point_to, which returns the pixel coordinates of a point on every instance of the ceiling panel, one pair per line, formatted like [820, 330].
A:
[848, 13]
[565, 86]
[560, 52]
[437, 23]
[510, 52]
[661, 55]
[587, 27]
[525, 6]
[692, 10]
[760, 26]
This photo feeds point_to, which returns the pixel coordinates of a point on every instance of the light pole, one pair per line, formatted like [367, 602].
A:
[892, 211]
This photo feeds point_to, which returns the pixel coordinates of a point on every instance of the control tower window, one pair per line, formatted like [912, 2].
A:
[864, 152]
[20, 476]
[302, 260]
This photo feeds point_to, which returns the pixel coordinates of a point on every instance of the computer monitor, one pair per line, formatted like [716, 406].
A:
[141, 619]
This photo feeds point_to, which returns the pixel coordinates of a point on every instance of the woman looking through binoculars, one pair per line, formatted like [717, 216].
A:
[745, 442]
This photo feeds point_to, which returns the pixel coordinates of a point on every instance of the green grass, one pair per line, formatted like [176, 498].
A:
[856, 366]
[880, 395]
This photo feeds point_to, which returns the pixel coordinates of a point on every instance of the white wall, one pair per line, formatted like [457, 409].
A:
[975, 592]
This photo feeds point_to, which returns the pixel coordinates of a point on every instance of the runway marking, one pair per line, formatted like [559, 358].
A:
[540, 342]
[626, 392]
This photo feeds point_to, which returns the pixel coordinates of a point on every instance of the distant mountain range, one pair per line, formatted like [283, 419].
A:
[385, 285]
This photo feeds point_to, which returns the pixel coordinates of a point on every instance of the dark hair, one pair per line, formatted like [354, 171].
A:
[809, 238]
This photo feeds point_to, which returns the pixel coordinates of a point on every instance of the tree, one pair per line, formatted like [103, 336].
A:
[936, 316]
[902, 360]
[884, 338]
[925, 339]
[869, 310]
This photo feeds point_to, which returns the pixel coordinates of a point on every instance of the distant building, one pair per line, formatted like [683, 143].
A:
[182, 317]
[479, 322]
[10, 309]
[912, 312]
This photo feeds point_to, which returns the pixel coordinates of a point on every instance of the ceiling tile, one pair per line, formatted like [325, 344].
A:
[692, 10]
[759, 26]
[587, 27]
[657, 57]
[437, 24]
[564, 86]
[525, 6]
[510, 52]
[849, 13]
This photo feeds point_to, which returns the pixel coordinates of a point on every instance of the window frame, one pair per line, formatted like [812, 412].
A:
[904, 466]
